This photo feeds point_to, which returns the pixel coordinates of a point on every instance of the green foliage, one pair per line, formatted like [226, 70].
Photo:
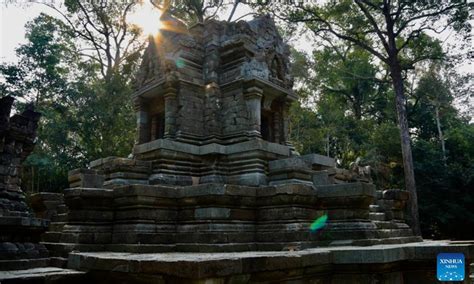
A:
[447, 192]
[85, 116]
[394, 36]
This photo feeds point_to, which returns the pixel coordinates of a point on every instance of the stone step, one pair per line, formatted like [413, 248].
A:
[63, 217]
[61, 209]
[377, 216]
[375, 208]
[51, 237]
[392, 224]
[60, 262]
[63, 249]
[395, 233]
[42, 275]
[396, 240]
[17, 264]
[56, 226]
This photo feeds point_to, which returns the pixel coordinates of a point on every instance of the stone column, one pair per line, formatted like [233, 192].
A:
[253, 99]
[286, 130]
[171, 112]
[143, 121]
[286, 122]
[277, 126]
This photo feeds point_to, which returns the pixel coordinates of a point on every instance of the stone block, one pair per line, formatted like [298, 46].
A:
[319, 162]
[346, 190]
[289, 189]
[167, 179]
[87, 178]
[217, 189]
[320, 178]
[288, 165]
[288, 213]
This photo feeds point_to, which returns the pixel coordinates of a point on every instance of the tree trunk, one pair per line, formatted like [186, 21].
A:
[412, 205]
[440, 133]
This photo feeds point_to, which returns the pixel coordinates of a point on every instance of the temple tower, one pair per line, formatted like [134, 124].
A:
[212, 169]
[215, 99]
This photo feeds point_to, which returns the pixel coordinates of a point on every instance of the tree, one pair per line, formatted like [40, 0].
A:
[433, 103]
[78, 70]
[349, 73]
[195, 11]
[395, 33]
[43, 62]
[102, 28]
[341, 103]
[49, 73]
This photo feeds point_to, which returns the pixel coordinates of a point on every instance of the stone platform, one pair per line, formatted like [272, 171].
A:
[47, 274]
[400, 263]
[224, 218]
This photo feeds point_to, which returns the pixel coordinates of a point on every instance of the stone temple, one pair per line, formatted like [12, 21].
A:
[214, 192]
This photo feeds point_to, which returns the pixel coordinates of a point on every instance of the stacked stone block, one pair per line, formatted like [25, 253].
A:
[122, 171]
[90, 216]
[393, 202]
[291, 170]
[87, 178]
[50, 206]
[220, 217]
[19, 230]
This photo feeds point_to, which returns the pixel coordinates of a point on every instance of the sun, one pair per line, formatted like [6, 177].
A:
[147, 17]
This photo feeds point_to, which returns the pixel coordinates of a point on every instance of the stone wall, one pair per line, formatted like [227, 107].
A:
[19, 230]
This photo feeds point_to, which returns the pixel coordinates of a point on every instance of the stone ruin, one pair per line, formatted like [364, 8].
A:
[214, 178]
[20, 230]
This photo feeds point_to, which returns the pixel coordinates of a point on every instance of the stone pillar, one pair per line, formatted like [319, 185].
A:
[286, 122]
[211, 109]
[171, 112]
[253, 99]
[277, 126]
[143, 121]
[286, 128]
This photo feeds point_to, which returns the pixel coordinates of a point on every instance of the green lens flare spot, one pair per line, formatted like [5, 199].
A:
[318, 223]
[180, 63]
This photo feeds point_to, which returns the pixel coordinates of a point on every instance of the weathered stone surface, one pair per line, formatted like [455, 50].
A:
[85, 178]
[320, 178]
[319, 162]
[19, 230]
[42, 275]
[317, 264]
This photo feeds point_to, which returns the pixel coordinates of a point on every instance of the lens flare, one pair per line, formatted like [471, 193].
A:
[180, 63]
[318, 223]
[147, 17]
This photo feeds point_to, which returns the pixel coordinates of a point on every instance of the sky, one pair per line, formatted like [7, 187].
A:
[14, 14]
